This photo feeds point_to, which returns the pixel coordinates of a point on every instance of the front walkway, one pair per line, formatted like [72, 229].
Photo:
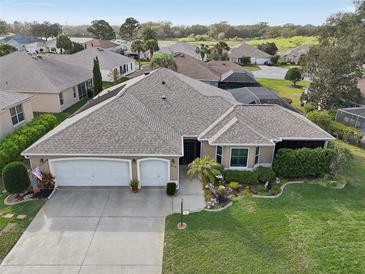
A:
[100, 230]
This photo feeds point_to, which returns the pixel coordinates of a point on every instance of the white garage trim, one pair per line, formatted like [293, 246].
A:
[147, 159]
[52, 161]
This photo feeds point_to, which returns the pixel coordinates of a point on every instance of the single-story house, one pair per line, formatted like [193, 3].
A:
[160, 121]
[259, 95]
[19, 41]
[257, 57]
[43, 46]
[223, 74]
[296, 55]
[15, 111]
[54, 85]
[108, 61]
[185, 48]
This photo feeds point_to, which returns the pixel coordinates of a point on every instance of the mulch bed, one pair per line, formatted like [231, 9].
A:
[14, 199]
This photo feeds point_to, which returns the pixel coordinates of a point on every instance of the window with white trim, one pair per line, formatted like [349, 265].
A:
[60, 96]
[16, 114]
[239, 157]
[257, 155]
[218, 154]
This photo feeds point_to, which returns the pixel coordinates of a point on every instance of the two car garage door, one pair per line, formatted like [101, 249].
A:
[109, 172]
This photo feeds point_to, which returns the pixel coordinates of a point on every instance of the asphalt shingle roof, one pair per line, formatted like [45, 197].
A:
[246, 50]
[185, 48]
[9, 99]
[23, 72]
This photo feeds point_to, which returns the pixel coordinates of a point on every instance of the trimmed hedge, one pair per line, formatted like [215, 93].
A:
[13, 144]
[304, 162]
[243, 177]
[265, 174]
[15, 177]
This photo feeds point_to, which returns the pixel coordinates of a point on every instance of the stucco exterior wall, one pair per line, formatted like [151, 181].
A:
[68, 98]
[207, 150]
[266, 155]
[6, 125]
[45, 102]
[35, 161]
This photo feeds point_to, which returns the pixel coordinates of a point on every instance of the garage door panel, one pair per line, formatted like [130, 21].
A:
[154, 172]
[89, 172]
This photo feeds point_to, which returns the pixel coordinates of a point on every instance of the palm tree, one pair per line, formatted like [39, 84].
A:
[152, 46]
[203, 50]
[221, 47]
[163, 60]
[138, 47]
[205, 168]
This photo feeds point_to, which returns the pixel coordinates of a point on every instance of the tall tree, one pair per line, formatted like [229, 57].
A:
[203, 50]
[4, 27]
[148, 33]
[63, 42]
[138, 46]
[46, 29]
[76, 47]
[129, 29]
[101, 30]
[152, 46]
[97, 79]
[294, 75]
[268, 47]
[163, 60]
[219, 52]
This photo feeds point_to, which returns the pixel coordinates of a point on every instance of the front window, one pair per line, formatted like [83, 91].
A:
[218, 155]
[257, 155]
[16, 114]
[239, 157]
[61, 98]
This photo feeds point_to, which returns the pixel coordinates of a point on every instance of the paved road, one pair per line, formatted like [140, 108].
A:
[99, 230]
[270, 72]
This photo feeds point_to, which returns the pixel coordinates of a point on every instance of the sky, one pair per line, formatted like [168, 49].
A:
[78, 12]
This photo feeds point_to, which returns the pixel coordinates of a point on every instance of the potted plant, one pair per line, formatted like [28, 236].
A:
[134, 185]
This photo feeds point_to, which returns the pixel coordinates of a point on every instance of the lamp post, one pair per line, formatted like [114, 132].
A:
[181, 224]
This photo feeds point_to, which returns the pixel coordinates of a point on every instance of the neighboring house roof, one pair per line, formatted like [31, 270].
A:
[152, 113]
[237, 76]
[105, 44]
[23, 72]
[298, 51]
[224, 66]
[258, 95]
[245, 50]
[266, 123]
[108, 60]
[81, 40]
[185, 48]
[10, 99]
[21, 39]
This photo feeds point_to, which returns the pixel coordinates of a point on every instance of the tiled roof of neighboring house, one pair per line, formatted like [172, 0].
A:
[148, 116]
[361, 86]
[105, 44]
[23, 72]
[258, 95]
[267, 123]
[231, 72]
[185, 48]
[108, 60]
[224, 66]
[298, 51]
[245, 50]
[21, 39]
[81, 40]
[9, 99]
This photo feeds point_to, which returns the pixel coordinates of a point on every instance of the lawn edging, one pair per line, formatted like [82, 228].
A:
[280, 193]
[218, 209]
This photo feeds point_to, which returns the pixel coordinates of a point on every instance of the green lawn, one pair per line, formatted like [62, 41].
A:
[283, 89]
[251, 67]
[67, 112]
[8, 239]
[309, 229]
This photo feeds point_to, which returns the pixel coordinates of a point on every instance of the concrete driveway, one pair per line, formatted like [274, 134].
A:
[100, 230]
[270, 72]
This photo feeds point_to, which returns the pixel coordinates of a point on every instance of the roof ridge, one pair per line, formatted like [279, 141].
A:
[223, 129]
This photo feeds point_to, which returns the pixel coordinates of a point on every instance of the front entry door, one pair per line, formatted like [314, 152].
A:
[191, 151]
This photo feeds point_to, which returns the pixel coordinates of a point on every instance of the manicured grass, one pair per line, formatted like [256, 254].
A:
[283, 89]
[285, 44]
[8, 239]
[251, 67]
[107, 85]
[309, 229]
[67, 112]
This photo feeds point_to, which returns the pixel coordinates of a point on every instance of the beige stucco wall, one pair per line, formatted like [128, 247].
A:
[35, 161]
[6, 125]
[45, 102]
[207, 150]
[68, 98]
[266, 155]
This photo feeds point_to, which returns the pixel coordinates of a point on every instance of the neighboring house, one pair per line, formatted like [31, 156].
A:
[43, 46]
[220, 74]
[19, 41]
[185, 48]
[257, 57]
[259, 95]
[81, 40]
[160, 121]
[97, 43]
[296, 55]
[54, 85]
[108, 61]
[15, 111]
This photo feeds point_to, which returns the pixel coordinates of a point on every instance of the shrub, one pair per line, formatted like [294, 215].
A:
[309, 108]
[244, 61]
[171, 189]
[288, 100]
[243, 177]
[234, 185]
[134, 183]
[15, 178]
[321, 118]
[348, 134]
[342, 160]
[265, 174]
[303, 163]
[294, 75]
[12, 145]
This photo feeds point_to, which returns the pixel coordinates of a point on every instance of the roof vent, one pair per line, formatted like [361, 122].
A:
[146, 73]
[163, 97]
[163, 82]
